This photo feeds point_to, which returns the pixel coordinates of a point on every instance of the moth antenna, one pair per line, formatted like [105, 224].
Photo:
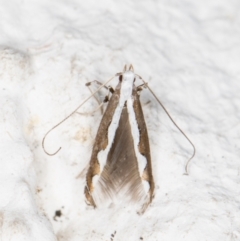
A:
[194, 149]
[131, 68]
[106, 99]
[90, 113]
[73, 112]
[125, 68]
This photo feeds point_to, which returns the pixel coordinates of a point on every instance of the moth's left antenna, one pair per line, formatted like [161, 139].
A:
[43, 140]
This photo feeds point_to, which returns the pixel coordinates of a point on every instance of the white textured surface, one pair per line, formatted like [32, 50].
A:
[188, 51]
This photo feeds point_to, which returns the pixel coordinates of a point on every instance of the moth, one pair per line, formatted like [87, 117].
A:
[120, 164]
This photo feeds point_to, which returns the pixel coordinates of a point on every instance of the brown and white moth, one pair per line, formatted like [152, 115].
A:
[120, 165]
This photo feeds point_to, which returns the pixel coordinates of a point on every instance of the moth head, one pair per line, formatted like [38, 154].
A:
[121, 78]
[130, 68]
[126, 71]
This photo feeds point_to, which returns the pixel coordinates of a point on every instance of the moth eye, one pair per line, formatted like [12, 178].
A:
[120, 78]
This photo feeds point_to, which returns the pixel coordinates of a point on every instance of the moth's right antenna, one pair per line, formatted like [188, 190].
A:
[194, 149]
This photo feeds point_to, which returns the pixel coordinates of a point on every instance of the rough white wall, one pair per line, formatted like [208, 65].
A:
[188, 51]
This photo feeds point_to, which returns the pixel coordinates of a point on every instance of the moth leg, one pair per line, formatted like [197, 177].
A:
[95, 97]
[100, 83]
[141, 87]
[96, 82]
[90, 113]
[100, 104]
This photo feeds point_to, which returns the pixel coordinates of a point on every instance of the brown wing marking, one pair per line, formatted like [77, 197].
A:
[143, 146]
[101, 142]
[120, 177]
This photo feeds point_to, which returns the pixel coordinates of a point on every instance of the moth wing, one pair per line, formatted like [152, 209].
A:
[101, 142]
[120, 177]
